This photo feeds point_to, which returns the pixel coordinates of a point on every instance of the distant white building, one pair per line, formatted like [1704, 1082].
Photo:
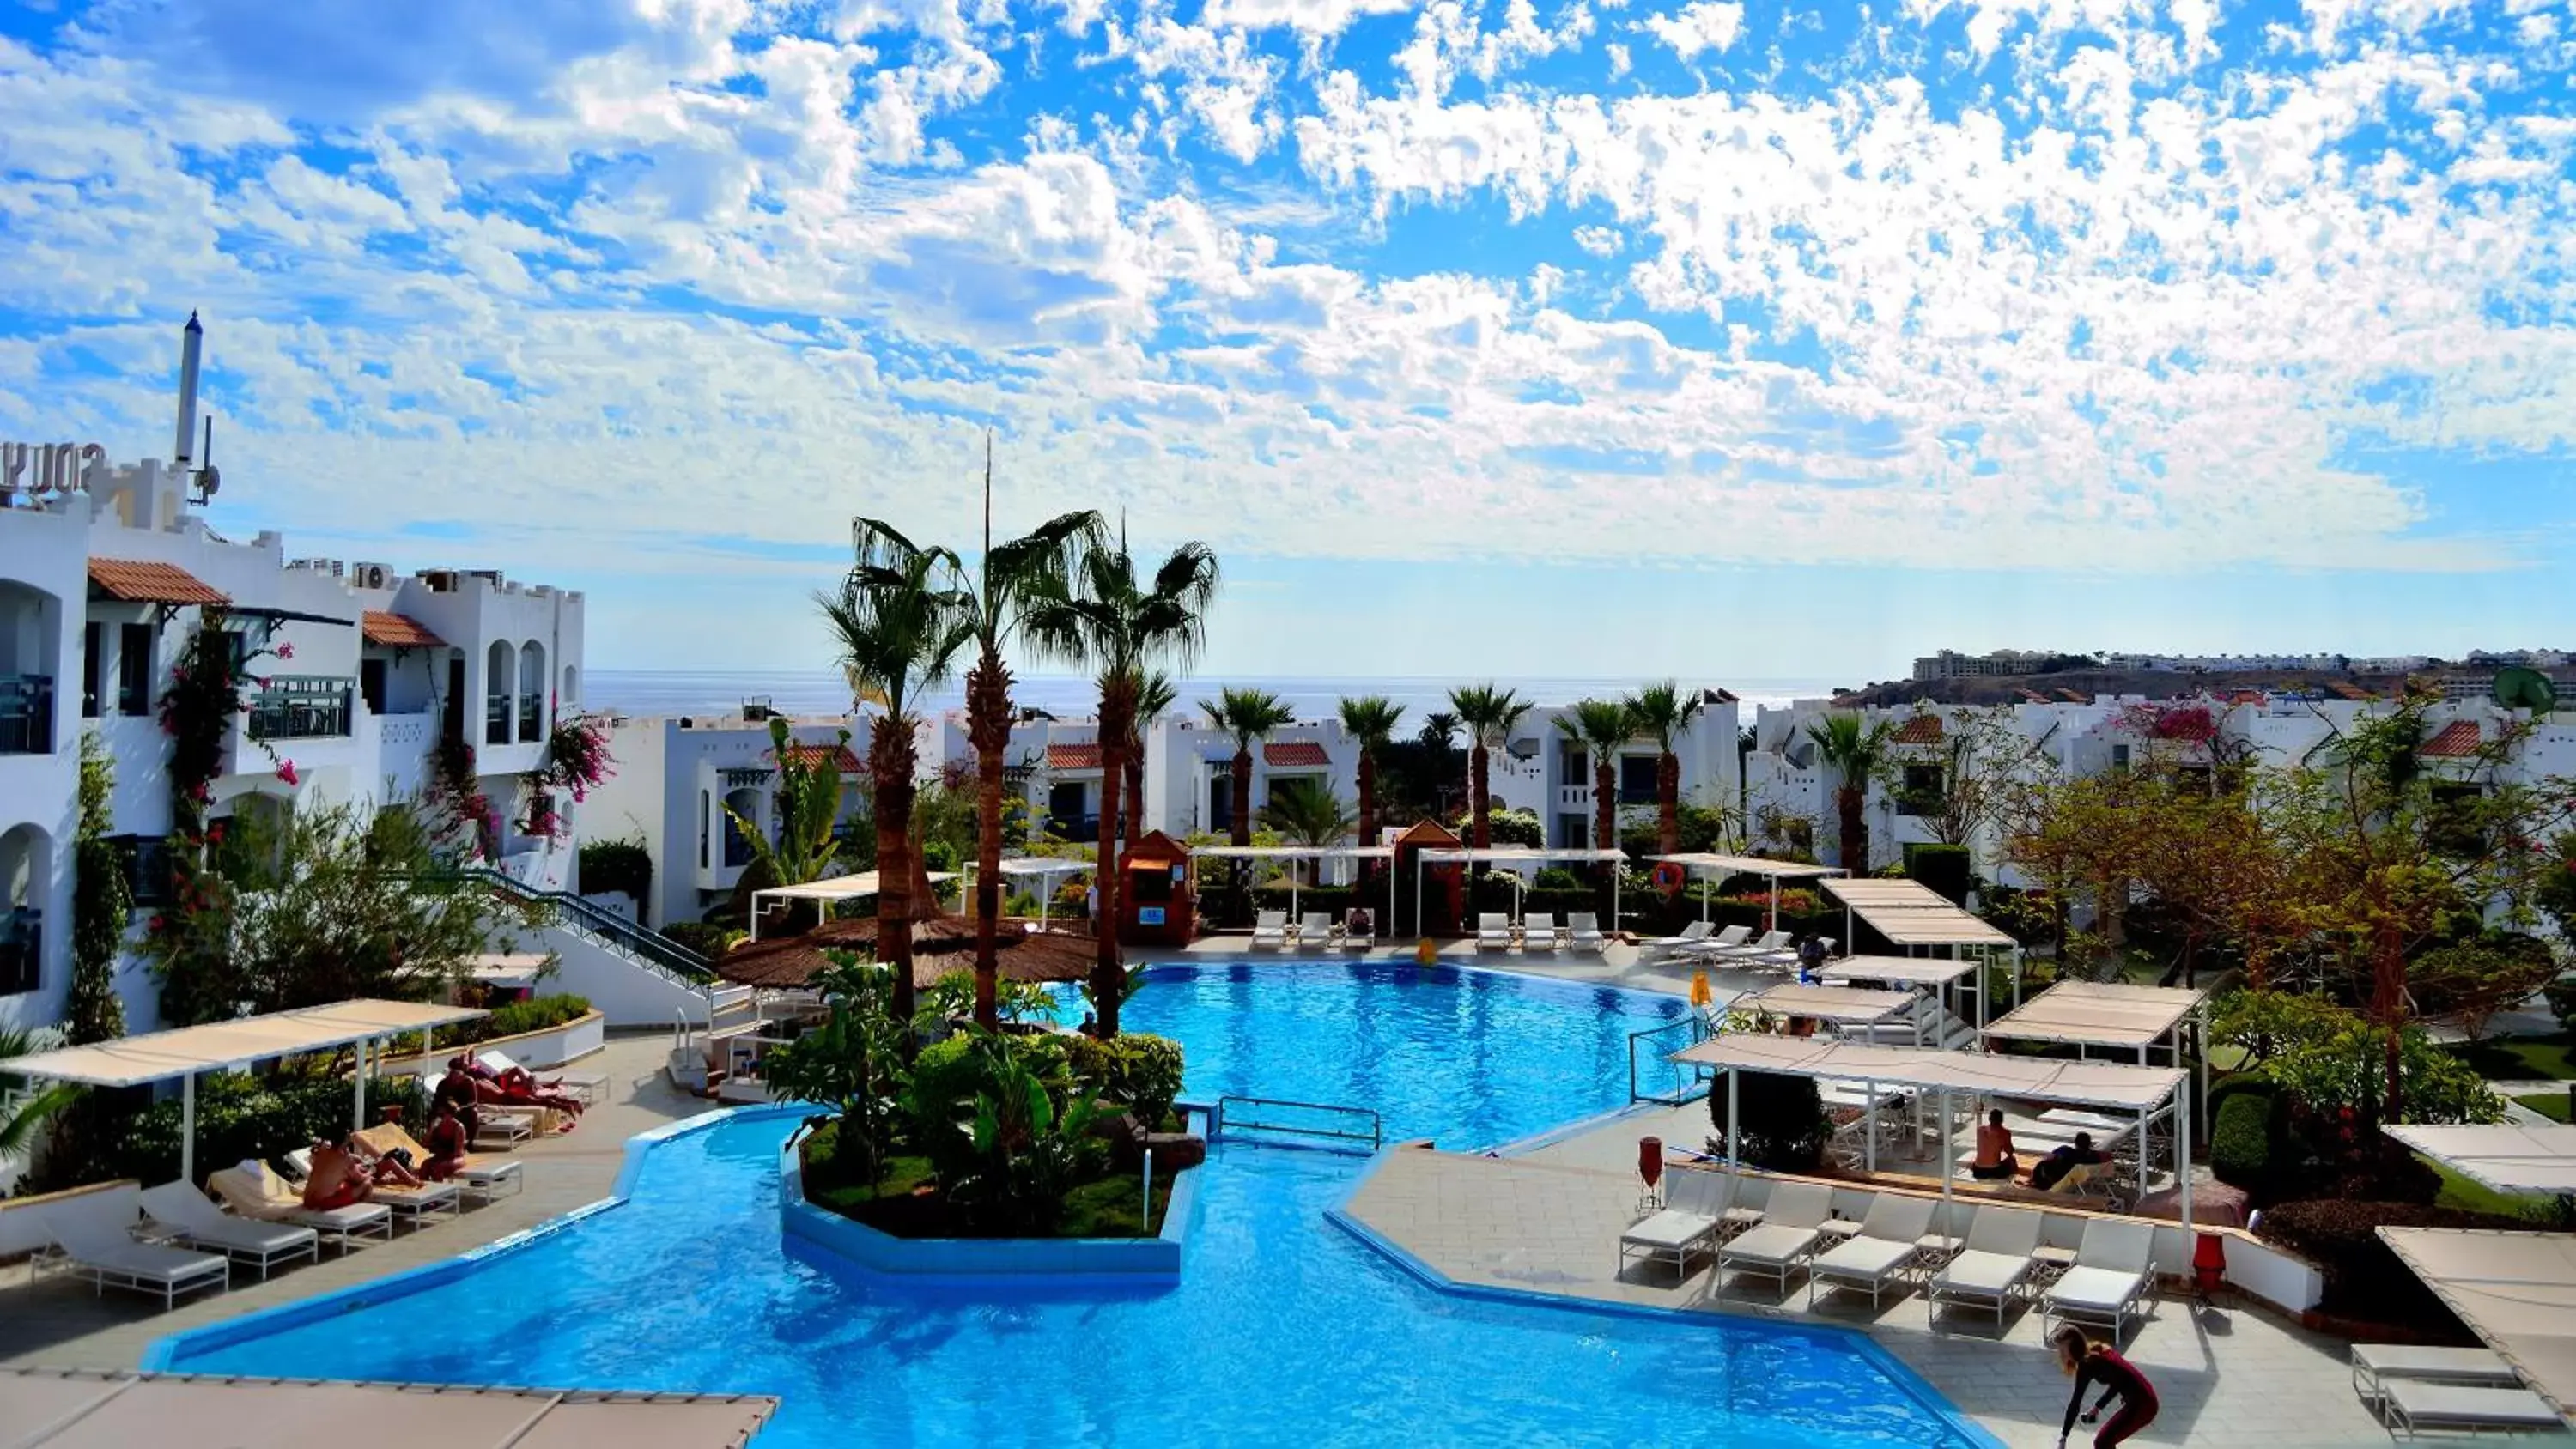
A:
[1544, 771]
[106, 572]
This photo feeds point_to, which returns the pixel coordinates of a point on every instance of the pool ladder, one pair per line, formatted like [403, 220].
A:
[1343, 1124]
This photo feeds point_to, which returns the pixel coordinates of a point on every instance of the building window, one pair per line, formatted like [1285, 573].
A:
[1637, 779]
[2119, 757]
[22, 951]
[1573, 765]
[704, 809]
[93, 641]
[1922, 791]
[146, 859]
[371, 684]
[134, 669]
[299, 708]
[1068, 806]
[1221, 801]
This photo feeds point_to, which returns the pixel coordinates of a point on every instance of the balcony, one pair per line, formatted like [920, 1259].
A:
[26, 714]
[496, 719]
[22, 951]
[301, 708]
[532, 718]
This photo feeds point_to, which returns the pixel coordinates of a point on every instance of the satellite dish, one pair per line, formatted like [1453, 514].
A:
[2517, 687]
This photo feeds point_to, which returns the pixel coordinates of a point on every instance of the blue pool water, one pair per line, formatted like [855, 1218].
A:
[1284, 1329]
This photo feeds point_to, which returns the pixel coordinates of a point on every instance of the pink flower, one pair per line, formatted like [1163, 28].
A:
[286, 771]
[260, 679]
[285, 651]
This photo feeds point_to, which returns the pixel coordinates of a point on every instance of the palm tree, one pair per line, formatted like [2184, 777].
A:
[808, 798]
[1015, 571]
[1663, 713]
[1155, 696]
[20, 1124]
[1308, 813]
[1102, 615]
[902, 616]
[1248, 714]
[1601, 726]
[1371, 720]
[1490, 716]
[1855, 751]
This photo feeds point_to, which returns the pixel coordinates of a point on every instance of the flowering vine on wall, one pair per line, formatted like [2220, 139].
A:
[577, 760]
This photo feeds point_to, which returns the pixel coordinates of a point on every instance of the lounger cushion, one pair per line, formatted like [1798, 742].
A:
[241, 1235]
[1669, 1229]
[1864, 1258]
[2100, 1290]
[2417, 1361]
[2455, 1406]
[1772, 1243]
[1979, 1274]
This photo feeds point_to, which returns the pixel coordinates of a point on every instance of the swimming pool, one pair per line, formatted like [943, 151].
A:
[1284, 1330]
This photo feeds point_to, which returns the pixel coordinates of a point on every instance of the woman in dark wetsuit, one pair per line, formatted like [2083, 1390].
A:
[2091, 1364]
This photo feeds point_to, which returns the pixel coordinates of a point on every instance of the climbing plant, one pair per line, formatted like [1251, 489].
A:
[102, 904]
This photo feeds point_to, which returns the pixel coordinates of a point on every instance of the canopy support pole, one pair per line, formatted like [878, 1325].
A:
[1869, 1127]
[1614, 897]
[1774, 881]
[358, 1091]
[2182, 1146]
[1949, 1167]
[1417, 895]
[188, 1129]
[1730, 1120]
[2200, 1101]
[1390, 895]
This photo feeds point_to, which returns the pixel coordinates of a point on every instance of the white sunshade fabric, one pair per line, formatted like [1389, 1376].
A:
[2082, 1084]
[1909, 913]
[188, 1050]
[1043, 865]
[1891, 894]
[69, 1409]
[1746, 865]
[839, 887]
[2507, 1157]
[1518, 855]
[1842, 1004]
[1912, 970]
[2515, 1291]
[1258, 852]
[2098, 1013]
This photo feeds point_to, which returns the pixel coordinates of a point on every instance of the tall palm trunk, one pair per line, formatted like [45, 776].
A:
[1479, 831]
[1668, 803]
[1855, 829]
[988, 726]
[1108, 971]
[1135, 773]
[1368, 797]
[1242, 831]
[1605, 804]
[890, 762]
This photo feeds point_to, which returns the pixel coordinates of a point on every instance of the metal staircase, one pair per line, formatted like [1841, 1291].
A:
[645, 947]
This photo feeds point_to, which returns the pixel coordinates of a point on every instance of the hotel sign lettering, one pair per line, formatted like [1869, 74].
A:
[39, 469]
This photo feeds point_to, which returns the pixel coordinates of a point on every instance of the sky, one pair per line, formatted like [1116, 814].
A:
[1596, 338]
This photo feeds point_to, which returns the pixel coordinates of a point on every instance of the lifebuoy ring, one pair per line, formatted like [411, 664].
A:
[1668, 877]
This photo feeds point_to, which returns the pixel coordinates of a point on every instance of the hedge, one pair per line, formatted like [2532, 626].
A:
[534, 1014]
[1945, 869]
[617, 865]
[2240, 1146]
[240, 1116]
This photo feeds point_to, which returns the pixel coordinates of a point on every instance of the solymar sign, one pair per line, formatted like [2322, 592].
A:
[43, 469]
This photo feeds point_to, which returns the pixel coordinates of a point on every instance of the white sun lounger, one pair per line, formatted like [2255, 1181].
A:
[2373, 1364]
[1770, 943]
[1559, 935]
[1583, 932]
[1792, 1221]
[411, 1204]
[2114, 1270]
[1662, 946]
[588, 1086]
[1315, 928]
[2002, 1249]
[1350, 940]
[267, 1197]
[1270, 928]
[108, 1257]
[1694, 1210]
[1494, 928]
[1708, 948]
[1787, 956]
[1890, 1237]
[185, 1216]
[2408, 1407]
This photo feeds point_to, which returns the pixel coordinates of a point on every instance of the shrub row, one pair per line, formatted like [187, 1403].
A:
[537, 1013]
[241, 1116]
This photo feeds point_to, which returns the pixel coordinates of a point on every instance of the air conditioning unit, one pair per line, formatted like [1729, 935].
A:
[370, 575]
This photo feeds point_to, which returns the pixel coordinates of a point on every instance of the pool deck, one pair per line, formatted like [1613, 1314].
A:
[1546, 1222]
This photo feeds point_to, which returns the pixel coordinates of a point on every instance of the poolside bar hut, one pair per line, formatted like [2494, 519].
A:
[190, 1051]
[1046, 870]
[1516, 855]
[2515, 1290]
[825, 892]
[1719, 867]
[1409, 845]
[1912, 916]
[1156, 905]
[2150, 1093]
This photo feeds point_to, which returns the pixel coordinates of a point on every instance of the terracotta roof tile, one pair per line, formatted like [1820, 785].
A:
[398, 631]
[139, 581]
[1305, 754]
[1922, 729]
[2246, 696]
[2455, 740]
[2346, 689]
[838, 756]
[1073, 757]
[2074, 697]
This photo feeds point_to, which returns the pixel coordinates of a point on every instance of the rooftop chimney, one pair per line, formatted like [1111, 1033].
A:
[193, 342]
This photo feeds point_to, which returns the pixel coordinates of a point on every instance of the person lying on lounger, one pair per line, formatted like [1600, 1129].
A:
[513, 1087]
[338, 1179]
[2065, 1160]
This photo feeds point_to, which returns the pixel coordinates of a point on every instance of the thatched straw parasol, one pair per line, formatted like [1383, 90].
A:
[941, 946]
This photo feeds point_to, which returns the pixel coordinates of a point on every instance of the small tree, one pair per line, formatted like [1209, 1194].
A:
[102, 904]
[1780, 1121]
[808, 800]
[1856, 752]
[853, 1062]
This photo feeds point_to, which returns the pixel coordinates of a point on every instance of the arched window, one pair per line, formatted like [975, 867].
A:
[500, 670]
[571, 698]
[26, 878]
[29, 624]
[532, 692]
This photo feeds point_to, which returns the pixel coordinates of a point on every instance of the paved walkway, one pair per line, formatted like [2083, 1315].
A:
[1553, 1226]
[59, 1322]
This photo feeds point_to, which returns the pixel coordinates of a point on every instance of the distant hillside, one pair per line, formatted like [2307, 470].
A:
[2152, 683]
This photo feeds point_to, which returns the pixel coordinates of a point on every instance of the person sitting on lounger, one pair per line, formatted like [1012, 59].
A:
[1357, 923]
[2056, 1165]
[1996, 1161]
[394, 1168]
[447, 1144]
[338, 1179]
[457, 1091]
[2090, 1363]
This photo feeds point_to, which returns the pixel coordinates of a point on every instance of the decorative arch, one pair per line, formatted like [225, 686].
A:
[500, 672]
[532, 692]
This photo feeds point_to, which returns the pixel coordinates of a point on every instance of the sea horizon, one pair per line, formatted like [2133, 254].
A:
[643, 692]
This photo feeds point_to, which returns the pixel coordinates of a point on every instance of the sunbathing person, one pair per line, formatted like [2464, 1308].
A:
[338, 1180]
[516, 1088]
[1996, 1161]
[447, 1144]
[392, 1168]
[457, 1092]
[2054, 1167]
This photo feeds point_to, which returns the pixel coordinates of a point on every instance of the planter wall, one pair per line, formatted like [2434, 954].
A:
[538, 1051]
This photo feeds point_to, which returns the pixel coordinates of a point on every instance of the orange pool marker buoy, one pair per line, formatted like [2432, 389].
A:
[1426, 952]
[1700, 994]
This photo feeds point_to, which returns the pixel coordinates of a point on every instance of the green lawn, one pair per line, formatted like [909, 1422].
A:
[2552, 1105]
[2551, 1057]
[2459, 1192]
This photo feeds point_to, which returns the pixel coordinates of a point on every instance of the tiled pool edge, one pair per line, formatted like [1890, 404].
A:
[162, 1354]
[1898, 1372]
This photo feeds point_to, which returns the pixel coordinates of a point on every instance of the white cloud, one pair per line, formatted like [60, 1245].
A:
[1702, 25]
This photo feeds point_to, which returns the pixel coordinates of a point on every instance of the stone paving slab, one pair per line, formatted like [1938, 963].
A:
[2229, 1375]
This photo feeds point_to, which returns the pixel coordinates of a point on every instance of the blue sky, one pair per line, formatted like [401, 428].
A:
[1751, 339]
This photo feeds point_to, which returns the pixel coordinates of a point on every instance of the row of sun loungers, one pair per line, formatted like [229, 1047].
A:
[1314, 928]
[2415, 1389]
[1579, 931]
[2000, 1261]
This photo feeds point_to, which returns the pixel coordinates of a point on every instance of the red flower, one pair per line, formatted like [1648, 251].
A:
[286, 771]
[156, 923]
[215, 832]
[285, 651]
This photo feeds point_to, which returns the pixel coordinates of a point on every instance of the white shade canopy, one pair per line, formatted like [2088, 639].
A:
[1912, 970]
[1896, 894]
[1517, 855]
[1842, 1005]
[2119, 1086]
[67, 1409]
[2515, 1291]
[2508, 1157]
[1909, 913]
[1746, 865]
[1039, 865]
[158, 1056]
[2098, 1013]
[838, 888]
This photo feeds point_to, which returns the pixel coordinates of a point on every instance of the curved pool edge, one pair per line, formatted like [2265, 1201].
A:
[1864, 1344]
[161, 1355]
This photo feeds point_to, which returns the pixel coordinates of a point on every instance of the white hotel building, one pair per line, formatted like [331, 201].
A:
[106, 570]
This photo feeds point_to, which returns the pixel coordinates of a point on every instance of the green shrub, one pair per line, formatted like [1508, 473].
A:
[1557, 877]
[1153, 1079]
[1941, 868]
[240, 1116]
[2240, 1146]
[1780, 1121]
[2363, 1279]
[617, 865]
[710, 939]
[537, 1013]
